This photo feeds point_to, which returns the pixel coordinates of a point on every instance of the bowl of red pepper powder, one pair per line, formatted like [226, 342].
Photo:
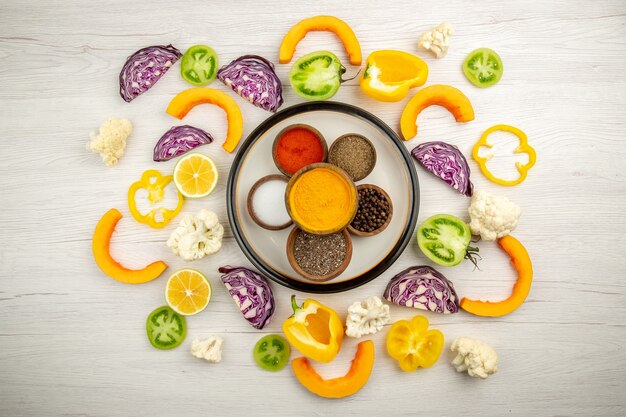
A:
[297, 146]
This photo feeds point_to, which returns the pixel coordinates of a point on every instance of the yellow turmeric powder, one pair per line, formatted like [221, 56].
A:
[322, 201]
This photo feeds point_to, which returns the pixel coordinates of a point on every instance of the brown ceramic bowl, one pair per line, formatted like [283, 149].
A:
[384, 226]
[317, 278]
[253, 214]
[354, 197]
[343, 137]
[298, 126]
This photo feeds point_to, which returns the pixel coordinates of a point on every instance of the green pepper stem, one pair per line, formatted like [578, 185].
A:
[294, 304]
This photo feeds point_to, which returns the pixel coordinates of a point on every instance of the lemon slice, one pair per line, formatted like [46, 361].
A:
[187, 292]
[195, 175]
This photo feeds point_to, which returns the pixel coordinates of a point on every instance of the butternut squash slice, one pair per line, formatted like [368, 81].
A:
[524, 267]
[320, 23]
[108, 265]
[349, 384]
[188, 99]
[441, 95]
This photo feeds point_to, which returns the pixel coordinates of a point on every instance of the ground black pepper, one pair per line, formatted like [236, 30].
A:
[355, 155]
[319, 255]
[373, 210]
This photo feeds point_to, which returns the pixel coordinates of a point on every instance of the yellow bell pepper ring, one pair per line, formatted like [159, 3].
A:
[389, 75]
[523, 147]
[413, 345]
[314, 329]
[154, 183]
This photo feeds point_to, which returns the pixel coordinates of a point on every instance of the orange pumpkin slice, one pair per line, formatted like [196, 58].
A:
[441, 95]
[320, 23]
[188, 99]
[349, 384]
[108, 265]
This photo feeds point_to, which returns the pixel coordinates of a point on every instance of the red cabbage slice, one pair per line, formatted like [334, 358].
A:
[251, 293]
[178, 140]
[446, 162]
[144, 68]
[253, 78]
[423, 287]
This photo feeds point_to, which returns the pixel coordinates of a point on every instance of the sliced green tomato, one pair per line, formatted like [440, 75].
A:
[199, 65]
[444, 239]
[272, 352]
[483, 67]
[316, 76]
[166, 328]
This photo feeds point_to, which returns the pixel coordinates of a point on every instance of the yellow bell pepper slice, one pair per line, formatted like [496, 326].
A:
[523, 147]
[314, 329]
[389, 75]
[155, 183]
[413, 345]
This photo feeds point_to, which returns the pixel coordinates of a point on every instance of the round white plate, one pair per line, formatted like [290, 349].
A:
[394, 172]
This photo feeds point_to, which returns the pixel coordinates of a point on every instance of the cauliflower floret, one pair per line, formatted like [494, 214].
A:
[197, 236]
[492, 216]
[209, 349]
[110, 142]
[476, 357]
[437, 40]
[367, 317]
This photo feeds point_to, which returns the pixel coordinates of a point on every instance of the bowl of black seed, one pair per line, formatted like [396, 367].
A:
[319, 257]
[374, 212]
[353, 153]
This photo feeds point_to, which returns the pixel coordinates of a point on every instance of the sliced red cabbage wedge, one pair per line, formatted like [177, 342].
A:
[423, 287]
[253, 78]
[447, 163]
[251, 293]
[178, 140]
[144, 68]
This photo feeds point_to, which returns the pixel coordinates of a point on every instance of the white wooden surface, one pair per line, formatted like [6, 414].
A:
[72, 341]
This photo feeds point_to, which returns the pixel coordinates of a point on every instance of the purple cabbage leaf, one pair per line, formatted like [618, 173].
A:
[446, 162]
[178, 140]
[424, 288]
[251, 293]
[144, 68]
[254, 79]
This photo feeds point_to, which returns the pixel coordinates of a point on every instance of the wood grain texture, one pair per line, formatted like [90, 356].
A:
[72, 341]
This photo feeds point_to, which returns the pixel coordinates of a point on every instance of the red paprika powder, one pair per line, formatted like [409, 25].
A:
[297, 148]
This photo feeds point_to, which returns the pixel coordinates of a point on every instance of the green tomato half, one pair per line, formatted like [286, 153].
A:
[444, 239]
[198, 65]
[317, 76]
[483, 67]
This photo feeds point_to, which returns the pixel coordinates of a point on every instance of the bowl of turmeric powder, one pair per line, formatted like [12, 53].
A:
[321, 199]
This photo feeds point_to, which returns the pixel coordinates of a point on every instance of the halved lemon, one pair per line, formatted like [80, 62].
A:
[195, 175]
[188, 292]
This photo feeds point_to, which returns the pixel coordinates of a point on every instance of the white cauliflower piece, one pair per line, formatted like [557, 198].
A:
[492, 216]
[477, 358]
[437, 40]
[209, 349]
[110, 142]
[197, 236]
[367, 317]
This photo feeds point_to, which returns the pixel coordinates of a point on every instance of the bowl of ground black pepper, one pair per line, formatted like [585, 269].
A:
[319, 257]
[374, 212]
[353, 153]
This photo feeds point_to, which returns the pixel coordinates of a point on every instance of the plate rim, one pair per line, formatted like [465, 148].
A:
[332, 287]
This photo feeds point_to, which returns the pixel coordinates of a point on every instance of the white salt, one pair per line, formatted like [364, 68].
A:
[268, 203]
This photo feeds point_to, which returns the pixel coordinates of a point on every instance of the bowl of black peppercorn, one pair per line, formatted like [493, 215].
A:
[374, 212]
